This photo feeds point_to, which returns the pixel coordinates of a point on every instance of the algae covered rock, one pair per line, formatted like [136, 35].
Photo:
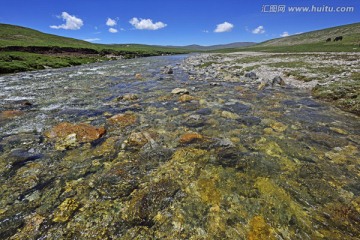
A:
[65, 210]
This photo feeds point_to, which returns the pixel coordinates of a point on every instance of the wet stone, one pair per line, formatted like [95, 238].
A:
[249, 120]
[194, 121]
[238, 108]
[204, 111]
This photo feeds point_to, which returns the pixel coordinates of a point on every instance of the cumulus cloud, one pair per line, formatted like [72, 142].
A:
[71, 22]
[113, 30]
[259, 30]
[284, 34]
[146, 24]
[224, 27]
[92, 39]
[111, 22]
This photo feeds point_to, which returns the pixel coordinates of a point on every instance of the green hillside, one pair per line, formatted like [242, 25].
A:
[11, 35]
[314, 41]
[24, 49]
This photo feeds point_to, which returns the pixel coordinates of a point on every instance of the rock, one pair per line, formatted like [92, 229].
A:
[137, 139]
[168, 70]
[230, 115]
[186, 98]
[180, 91]
[9, 114]
[67, 132]
[264, 83]
[194, 121]
[65, 210]
[251, 75]
[278, 126]
[138, 76]
[188, 138]
[123, 120]
[278, 80]
[259, 229]
[128, 97]
[68, 142]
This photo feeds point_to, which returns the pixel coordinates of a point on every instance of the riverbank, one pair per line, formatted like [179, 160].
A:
[21, 59]
[332, 77]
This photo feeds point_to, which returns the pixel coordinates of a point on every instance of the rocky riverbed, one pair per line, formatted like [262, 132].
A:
[181, 147]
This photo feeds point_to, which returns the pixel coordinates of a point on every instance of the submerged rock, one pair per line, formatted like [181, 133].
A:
[65, 210]
[186, 98]
[188, 138]
[180, 91]
[67, 134]
[123, 120]
[128, 97]
[9, 114]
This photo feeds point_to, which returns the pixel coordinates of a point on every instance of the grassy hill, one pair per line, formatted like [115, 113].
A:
[24, 49]
[314, 41]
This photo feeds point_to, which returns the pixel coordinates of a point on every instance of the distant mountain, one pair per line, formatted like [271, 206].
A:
[196, 47]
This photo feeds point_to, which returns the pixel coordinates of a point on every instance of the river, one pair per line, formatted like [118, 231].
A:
[225, 161]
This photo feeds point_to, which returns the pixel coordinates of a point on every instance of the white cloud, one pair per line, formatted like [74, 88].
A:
[71, 22]
[224, 27]
[205, 31]
[111, 22]
[146, 24]
[259, 30]
[92, 39]
[284, 34]
[113, 30]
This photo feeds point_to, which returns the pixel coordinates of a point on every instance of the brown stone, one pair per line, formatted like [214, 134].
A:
[190, 138]
[84, 132]
[123, 120]
[10, 114]
[138, 76]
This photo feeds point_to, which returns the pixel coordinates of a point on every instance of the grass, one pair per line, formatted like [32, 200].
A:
[11, 62]
[345, 95]
[298, 75]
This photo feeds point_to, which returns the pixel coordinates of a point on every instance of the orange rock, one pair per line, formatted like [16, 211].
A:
[190, 138]
[138, 76]
[84, 132]
[186, 98]
[123, 120]
[10, 114]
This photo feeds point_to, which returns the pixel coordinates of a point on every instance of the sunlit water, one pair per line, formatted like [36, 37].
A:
[272, 163]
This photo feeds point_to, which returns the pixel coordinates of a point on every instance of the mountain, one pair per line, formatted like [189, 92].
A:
[196, 47]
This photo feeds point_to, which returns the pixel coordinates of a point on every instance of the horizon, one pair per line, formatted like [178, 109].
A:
[178, 23]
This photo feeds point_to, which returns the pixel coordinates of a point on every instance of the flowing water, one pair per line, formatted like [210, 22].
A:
[225, 162]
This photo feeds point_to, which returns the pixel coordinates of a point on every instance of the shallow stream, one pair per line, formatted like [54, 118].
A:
[225, 162]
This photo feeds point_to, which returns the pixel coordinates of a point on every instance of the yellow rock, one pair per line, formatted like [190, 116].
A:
[278, 126]
[260, 230]
[65, 210]
[338, 130]
[229, 115]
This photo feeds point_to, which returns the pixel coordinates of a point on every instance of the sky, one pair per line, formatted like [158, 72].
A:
[178, 22]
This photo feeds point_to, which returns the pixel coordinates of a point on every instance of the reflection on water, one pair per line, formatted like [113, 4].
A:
[225, 162]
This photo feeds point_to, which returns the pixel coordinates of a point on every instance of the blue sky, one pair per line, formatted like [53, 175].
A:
[175, 22]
